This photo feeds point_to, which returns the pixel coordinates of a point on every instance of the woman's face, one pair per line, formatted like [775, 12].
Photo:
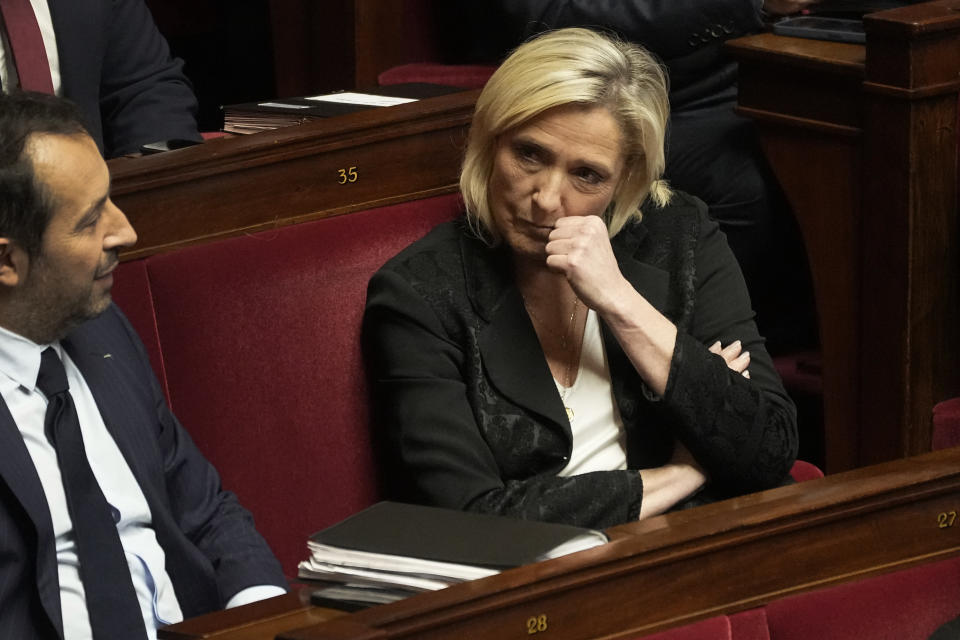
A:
[565, 162]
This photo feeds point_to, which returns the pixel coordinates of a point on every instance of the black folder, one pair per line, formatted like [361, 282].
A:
[445, 535]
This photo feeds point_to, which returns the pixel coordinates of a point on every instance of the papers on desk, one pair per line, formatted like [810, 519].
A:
[253, 117]
[368, 99]
[362, 567]
[392, 550]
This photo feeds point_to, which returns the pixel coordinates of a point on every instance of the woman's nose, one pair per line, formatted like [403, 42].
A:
[547, 194]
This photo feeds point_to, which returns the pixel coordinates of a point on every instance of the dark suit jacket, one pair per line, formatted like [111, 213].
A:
[117, 67]
[212, 549]
[687, 36]
[469, 410]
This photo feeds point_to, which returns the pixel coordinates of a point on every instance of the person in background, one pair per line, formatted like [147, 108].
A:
[108, 57]
[581, 348]
[111, 521]
[712, 152]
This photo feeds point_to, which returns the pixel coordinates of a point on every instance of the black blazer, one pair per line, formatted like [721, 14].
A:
[117, 67]
[212, 549]
[469, 411]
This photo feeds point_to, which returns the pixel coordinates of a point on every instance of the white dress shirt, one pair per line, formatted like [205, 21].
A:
[8, 71]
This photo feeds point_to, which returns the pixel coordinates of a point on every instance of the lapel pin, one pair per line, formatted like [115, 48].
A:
[107, 355]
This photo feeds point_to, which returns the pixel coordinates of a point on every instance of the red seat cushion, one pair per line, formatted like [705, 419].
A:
[261, 344]
[904, 605]
[749, 625]
[131, 292]
[946, 424]
[717, 628]
[801, 372]
[803, 471]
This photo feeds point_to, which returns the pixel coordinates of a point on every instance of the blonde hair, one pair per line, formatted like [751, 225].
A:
[573, 66]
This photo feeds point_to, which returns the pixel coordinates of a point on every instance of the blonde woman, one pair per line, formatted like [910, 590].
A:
[581, 347]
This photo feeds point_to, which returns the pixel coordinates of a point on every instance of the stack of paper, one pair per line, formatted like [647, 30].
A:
[392, 550]
[253, 117]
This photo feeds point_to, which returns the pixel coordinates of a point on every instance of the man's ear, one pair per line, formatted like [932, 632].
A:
[14, 263]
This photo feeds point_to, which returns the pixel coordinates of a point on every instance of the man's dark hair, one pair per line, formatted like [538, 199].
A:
[25, 203]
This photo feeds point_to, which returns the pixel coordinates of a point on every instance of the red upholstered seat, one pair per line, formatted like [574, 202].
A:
[717, 628]
[803, 471]
[946, 424]
[260, 344]
[131, 291]
[749, 625]
[453, 75]
[904, 605]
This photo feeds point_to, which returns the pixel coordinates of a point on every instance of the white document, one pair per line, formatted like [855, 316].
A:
[366, 99]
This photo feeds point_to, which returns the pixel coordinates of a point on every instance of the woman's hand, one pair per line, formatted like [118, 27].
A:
[665, 486]
[579, 247]
[734, 356]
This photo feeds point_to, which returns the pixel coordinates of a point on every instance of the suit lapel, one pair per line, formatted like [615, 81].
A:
[109, 382]
[508, 344]
[515, 363]
[652, 283]
[20, 476]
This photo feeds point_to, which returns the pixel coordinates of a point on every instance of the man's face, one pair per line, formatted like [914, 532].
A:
[70, 280]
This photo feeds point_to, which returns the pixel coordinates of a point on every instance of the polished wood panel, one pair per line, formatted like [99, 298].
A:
[346, 44]
[863, 140]
[392, 32]
[249, 183]
[283, 612]
[677, 568]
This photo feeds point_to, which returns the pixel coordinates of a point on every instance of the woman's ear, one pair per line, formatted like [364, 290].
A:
[14, 263]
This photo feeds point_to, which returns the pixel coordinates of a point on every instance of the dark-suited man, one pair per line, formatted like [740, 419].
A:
[111, 521]
[109, 58]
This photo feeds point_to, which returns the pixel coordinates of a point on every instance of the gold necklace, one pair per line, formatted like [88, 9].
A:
[568, 347]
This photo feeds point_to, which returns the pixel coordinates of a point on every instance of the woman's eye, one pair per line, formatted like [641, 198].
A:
[589, 176]
[527, 153]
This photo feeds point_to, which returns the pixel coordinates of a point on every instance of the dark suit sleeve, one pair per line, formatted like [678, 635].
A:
[669, 28]
[144, 95]
[209, 517]
[742, 431]
[425, 408]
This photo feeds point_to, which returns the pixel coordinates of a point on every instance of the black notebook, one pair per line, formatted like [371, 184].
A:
[391, 551]
[462, 537]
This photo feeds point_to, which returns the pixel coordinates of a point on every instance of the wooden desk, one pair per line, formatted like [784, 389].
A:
[721, 558]
[864, 141]
[238, 185]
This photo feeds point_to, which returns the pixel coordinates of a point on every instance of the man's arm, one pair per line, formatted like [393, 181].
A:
[211, 518]
[144, 95]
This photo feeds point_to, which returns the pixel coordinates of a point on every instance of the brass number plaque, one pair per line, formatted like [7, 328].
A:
[945, 520]
[537, 624]
[347, 175]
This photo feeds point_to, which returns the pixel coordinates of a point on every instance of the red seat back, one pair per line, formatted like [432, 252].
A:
[903, 605]
[259, 338]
